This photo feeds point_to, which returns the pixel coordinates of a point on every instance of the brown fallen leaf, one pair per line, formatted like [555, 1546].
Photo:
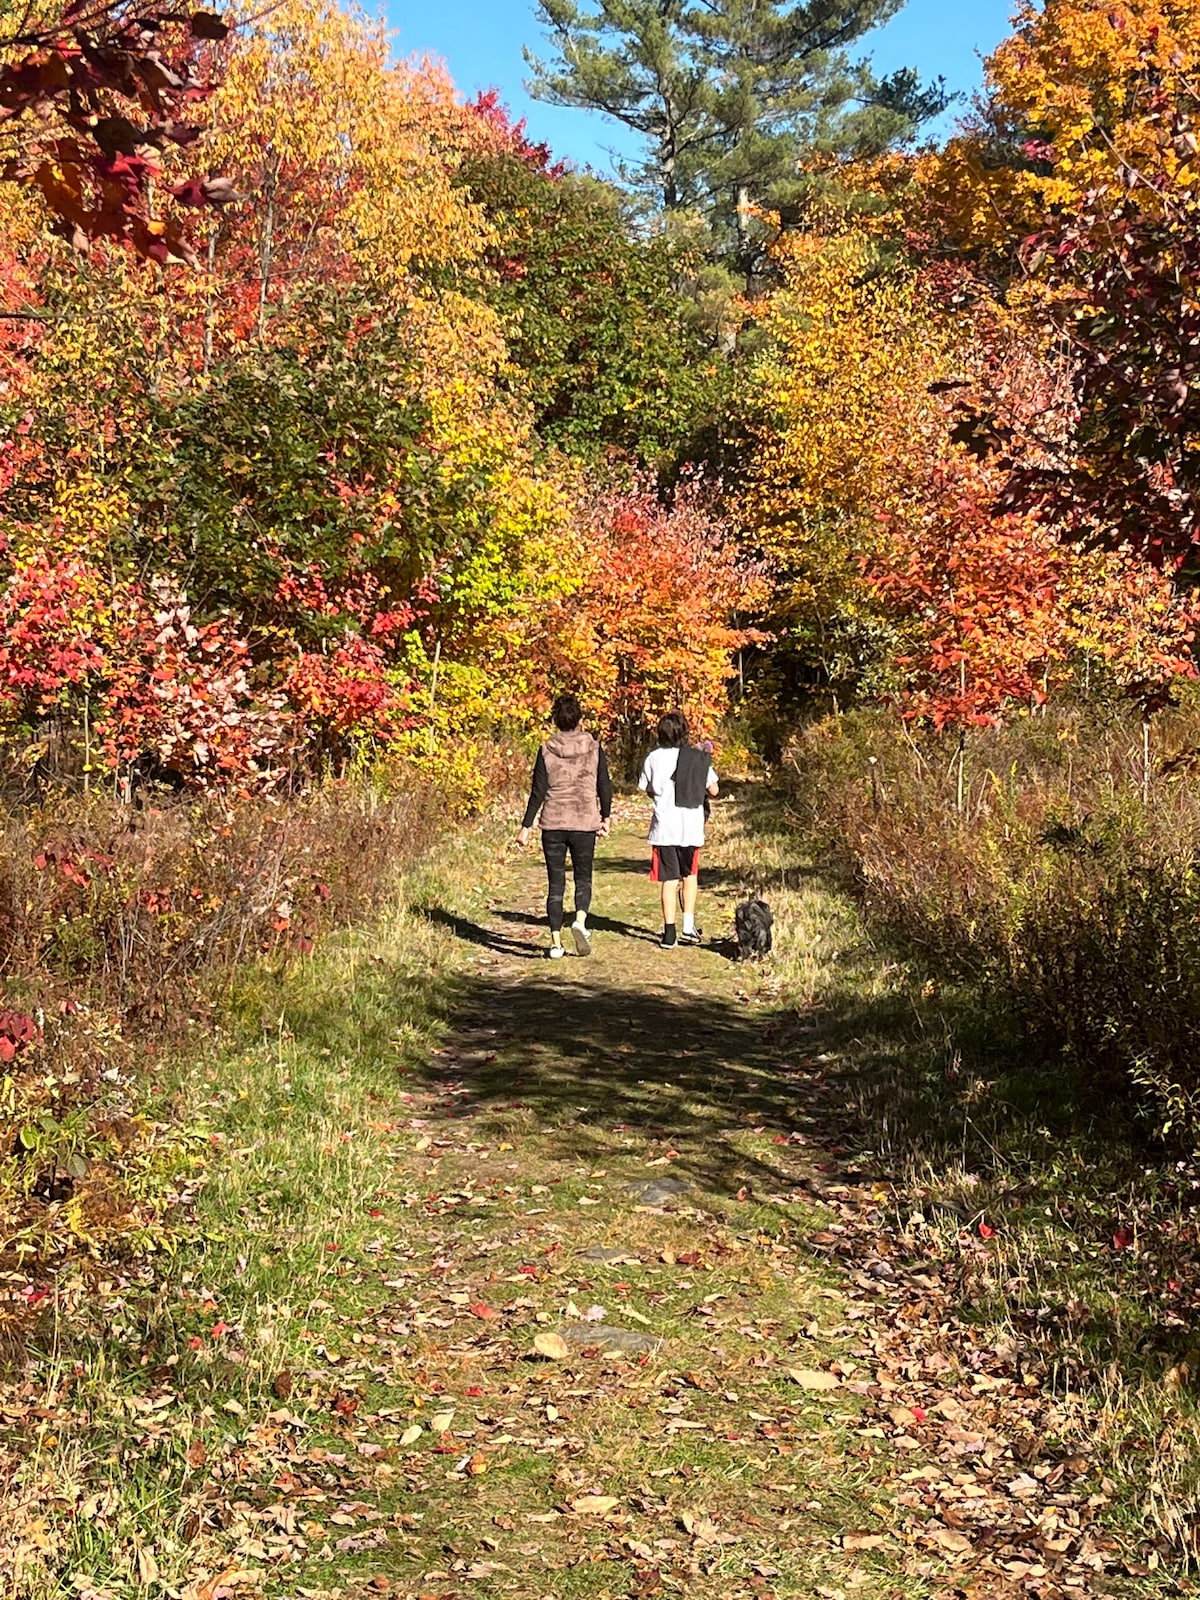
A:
[282, 1385]
[598, 1505]
[864, 1541]
[809, 1378]
[1184, 1371]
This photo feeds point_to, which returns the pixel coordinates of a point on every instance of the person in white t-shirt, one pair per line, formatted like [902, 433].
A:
[678, 779]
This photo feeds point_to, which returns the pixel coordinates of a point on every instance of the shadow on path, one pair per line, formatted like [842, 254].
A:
[474, 933]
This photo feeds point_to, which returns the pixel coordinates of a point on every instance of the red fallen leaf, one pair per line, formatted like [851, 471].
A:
[374, 1212]
[483, 1310]
[1173, 1285]
[332, 1246]
[474, 1392]
[529, 1271]
[195, 1342]
[919, 1412]
[986, 1231]
[217, 1329]
[32, 1295]
[780, 1138]
[1122, 1238]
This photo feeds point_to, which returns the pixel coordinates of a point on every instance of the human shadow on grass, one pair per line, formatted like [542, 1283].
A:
[475, 933]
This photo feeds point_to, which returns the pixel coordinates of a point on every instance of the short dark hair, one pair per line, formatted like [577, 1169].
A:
[566, 713]
[673, 730]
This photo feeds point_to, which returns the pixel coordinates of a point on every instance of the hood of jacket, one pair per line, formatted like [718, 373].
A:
[574, 746]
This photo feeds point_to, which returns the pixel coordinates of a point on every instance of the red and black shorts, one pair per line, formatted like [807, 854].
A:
[672, 861]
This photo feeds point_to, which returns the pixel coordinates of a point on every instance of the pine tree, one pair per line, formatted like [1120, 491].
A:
[730, 95]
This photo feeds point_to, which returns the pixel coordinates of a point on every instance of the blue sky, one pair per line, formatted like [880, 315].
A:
[480, 41]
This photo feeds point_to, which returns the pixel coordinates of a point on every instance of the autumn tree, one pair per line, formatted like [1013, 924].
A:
[885, 417]
[830, 418]
[661, 601]
[306, 452]
[1077, 188]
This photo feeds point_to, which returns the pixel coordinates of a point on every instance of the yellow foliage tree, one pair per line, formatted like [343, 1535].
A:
[1065, 112]
[839, 413]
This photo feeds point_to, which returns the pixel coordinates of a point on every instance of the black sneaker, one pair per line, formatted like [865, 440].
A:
[695, 937]
[669, 939]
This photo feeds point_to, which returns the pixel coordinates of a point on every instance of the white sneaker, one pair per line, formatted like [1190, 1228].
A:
[556, 952]
[583, 945]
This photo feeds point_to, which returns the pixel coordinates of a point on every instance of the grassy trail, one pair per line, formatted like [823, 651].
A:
[754, 1378]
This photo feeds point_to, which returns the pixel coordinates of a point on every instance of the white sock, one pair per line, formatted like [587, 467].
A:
[689, 922]
[581, 919]
[556, 936]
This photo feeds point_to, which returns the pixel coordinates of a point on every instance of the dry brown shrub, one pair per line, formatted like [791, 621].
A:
[1064, 885]
[117, 923]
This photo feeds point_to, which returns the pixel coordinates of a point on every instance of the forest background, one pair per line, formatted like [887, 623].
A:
[341, 425]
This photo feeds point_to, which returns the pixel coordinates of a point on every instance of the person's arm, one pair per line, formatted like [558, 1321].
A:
[538, 790]
[604, 791]
[712, 785]
[644, 780]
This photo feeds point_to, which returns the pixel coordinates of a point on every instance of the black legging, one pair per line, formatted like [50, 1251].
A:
[555, 844]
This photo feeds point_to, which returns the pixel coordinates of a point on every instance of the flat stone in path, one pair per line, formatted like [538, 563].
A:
[601, 1336]
[656, 1191]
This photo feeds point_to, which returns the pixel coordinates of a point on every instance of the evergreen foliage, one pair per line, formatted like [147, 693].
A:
[730, 98]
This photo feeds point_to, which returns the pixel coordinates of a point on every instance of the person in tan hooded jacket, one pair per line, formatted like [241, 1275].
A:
[573, 791]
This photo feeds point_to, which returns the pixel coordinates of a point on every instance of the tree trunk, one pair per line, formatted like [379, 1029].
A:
[210, 310]
[266, 255]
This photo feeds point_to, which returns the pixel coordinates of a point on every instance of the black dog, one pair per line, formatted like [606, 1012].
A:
[753, 921]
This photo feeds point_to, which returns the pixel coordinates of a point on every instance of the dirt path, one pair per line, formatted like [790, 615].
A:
[761, 1389]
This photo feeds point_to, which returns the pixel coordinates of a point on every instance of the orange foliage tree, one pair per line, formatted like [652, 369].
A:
[659, 609]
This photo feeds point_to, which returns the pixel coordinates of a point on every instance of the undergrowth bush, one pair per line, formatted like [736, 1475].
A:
[1064, 883]
[117, 926]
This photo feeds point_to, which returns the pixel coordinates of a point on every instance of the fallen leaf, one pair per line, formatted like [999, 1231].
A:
[864, 1541]
[598, 1505]
[808, 1378]
[411, 1435]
